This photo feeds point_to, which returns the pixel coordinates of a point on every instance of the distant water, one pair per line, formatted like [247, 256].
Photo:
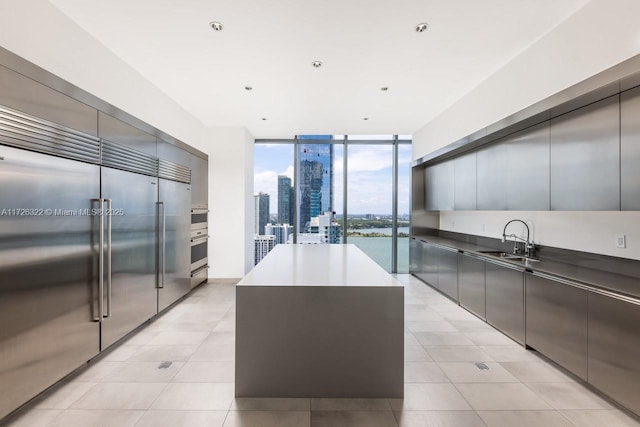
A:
[386, 231]
[379, 249]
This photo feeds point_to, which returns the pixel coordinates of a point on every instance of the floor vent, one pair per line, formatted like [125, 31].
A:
[481, 365]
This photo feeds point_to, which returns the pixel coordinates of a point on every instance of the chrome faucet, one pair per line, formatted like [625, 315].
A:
[529, 247]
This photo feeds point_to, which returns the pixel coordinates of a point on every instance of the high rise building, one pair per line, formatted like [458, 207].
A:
[326, 227]
[261, 213]
[263, 245]
[279, 231]
[292, 206]
[315, 178]
[285, 200]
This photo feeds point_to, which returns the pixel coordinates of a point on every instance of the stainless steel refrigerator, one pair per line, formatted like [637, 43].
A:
[82, 224]
[48, 255]
[174, 254]
[129, 296]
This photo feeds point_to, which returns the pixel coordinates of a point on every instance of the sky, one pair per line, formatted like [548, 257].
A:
[369, 178]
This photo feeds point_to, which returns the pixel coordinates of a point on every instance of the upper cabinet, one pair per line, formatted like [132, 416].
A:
[116, 130]
[585, 158]
[492, 177]
[439, 187]
[630, 149]
[527, 163]
[464, 194]
[199, 181]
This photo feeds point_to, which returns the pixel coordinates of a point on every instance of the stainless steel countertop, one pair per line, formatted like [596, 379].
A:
[318, 265]
[594, 277]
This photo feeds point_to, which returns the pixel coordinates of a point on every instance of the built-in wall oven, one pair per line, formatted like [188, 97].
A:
[199, 242]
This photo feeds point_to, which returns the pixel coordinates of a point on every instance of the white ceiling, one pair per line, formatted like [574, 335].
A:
[363, 44]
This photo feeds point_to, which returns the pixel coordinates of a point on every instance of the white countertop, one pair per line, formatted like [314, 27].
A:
[318, 265]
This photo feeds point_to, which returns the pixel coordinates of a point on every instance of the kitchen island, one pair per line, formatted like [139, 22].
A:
[319, 321]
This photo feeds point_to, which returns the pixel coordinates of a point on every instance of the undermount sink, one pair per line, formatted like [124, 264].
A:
[509, 257]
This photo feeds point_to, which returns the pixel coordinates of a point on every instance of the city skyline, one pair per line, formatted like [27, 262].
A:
[369, 183]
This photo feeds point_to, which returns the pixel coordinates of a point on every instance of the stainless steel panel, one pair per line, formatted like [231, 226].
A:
[199, 276]
[48, 283]
[199, 181]
[585, 158]
[465, 182]
[430, 189]
[174, 171]
[122, 157]
[133, 251]
[172, 153]
[429, 270]
[303, 341]
[614, 349]
[176, 198]
[439, 187]
[471, 286]
[32, 133]
[505, 300]
[556, 323]
[445, 186]
[28, 96]
[415, 256]
[630, 150]
[448, 272]
[492, 178]
[123, 133]
[527, 164]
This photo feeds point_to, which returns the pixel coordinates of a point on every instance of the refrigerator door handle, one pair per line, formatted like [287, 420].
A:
[108, 215]
[162, 245]
[100, 262]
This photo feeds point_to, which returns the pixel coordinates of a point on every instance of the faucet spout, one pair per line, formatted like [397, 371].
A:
[528, 247]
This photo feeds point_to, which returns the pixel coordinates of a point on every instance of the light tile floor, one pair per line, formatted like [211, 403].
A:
[179, 371]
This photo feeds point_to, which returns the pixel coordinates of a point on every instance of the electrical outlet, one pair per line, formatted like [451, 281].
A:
[484, 228]
[621, 241]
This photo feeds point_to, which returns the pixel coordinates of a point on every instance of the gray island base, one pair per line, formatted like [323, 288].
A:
[319, 321]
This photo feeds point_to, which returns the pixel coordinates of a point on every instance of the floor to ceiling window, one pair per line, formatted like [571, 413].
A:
[404, 205]
[305, 180]
[369, 200]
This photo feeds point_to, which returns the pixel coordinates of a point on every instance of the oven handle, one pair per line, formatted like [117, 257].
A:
[195, 239]
[198, 271]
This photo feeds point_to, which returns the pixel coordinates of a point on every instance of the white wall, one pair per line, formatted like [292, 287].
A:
[38, 32]
[599, 36]
[231, 202]
[582, 231]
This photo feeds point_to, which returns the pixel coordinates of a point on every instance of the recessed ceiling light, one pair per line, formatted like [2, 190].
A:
[366, 118]
[384, 88]
[421, 28]
[264, 118]
[248, 88]
[216, 26]
[316, 64]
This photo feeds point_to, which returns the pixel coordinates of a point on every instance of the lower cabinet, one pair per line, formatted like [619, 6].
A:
[505, 299]
[415, 256]
[556, 322]
[471, 286]
[614, 349]
[594, 336]
[448, 272]
[429, 271]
